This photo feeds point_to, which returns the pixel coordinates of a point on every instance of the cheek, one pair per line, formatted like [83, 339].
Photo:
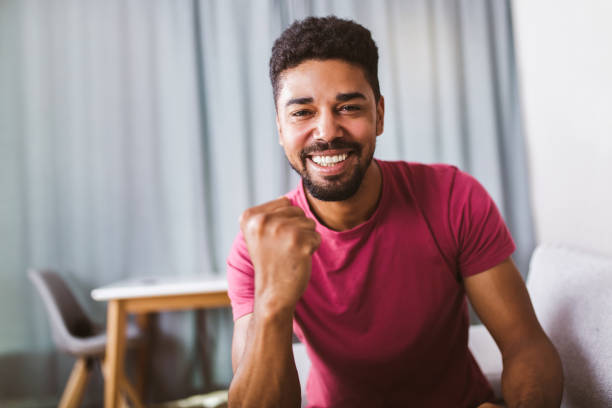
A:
[362, 129]
[291, 148]
[294, 138]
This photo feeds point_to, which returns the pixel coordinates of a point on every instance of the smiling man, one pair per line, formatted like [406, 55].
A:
[369, 262]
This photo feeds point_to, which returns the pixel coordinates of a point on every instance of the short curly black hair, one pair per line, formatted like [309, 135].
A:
[323, 38]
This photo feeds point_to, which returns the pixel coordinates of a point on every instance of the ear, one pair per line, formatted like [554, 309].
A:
[280, 132]
[380, 115]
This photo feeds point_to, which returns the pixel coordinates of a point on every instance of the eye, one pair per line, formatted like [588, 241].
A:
[300, 113]
[349, 108]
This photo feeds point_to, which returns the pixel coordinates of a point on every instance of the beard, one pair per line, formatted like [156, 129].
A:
[337, 187]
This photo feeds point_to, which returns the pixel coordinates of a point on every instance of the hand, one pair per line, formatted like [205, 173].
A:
[280, 240]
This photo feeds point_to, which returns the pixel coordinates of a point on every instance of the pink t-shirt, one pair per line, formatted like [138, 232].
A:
[384, 317]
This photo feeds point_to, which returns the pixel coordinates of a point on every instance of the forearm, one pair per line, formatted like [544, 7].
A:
[267, 376]
[533, 377]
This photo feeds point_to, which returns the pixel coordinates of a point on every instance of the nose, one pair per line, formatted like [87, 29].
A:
[327, 127]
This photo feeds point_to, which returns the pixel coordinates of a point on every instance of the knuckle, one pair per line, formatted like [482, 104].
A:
[298, 210]
[281, 203]
[256, 222]
[312, 224]
[316, 242]
[293, 238]
[246, 214]
[276, 228]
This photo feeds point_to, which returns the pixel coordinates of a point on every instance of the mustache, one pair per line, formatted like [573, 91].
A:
[321, 146]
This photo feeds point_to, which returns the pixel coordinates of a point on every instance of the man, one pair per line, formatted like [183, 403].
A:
[369, 262]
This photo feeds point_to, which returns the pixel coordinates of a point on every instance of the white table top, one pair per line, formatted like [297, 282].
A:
[159, 286]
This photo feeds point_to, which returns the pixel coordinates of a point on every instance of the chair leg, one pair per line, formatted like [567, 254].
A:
[123, 402]
[73, 392]
[126, 390]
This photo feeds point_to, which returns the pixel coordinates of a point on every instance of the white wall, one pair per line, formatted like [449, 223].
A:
[564, 52]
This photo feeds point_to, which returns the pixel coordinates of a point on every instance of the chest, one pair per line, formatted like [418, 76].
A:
[380, 296]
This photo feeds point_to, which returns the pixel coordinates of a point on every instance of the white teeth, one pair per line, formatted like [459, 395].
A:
[329, 160]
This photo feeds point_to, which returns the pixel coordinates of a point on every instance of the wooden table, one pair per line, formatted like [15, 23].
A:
[143, 296]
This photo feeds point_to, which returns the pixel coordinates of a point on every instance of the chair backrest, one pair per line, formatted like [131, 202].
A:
[571, 291]
[67, 318]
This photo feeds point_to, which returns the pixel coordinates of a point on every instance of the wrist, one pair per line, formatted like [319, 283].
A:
[271, 322]
[270, 301]
[273, 310]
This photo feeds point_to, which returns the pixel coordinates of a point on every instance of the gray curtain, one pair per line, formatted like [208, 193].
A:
[134, 133]
[102, 175]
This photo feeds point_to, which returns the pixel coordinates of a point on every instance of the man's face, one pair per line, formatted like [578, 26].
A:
[328, 121]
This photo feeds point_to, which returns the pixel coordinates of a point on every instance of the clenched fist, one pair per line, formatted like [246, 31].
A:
[281, 241]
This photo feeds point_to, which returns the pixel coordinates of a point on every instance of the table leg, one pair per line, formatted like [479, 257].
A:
[202, 338]
[144, 323]
[115, 352]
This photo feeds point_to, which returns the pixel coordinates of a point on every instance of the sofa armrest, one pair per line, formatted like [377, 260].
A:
[487, 355]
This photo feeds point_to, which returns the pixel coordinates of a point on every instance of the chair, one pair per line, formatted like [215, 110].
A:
[571, 294]
[74, 333]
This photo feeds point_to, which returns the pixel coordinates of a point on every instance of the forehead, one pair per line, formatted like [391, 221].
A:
[320, 79]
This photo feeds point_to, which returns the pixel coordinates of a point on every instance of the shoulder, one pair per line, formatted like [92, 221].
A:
[418, 171]
[425, 181]
[238, 259]
[240, 278]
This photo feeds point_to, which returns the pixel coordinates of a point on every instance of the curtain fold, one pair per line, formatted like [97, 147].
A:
[133, 134]
[101, 121]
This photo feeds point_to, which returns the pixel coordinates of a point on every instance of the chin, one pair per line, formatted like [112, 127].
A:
[335, 190]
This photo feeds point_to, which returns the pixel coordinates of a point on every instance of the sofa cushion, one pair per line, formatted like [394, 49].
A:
[571, 291]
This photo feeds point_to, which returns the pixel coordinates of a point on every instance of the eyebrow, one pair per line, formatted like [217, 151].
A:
[299, 101]
[341, 97]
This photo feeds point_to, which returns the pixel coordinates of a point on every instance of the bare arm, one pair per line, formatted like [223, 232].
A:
[263, 363]
[280, 240]
[532, 374]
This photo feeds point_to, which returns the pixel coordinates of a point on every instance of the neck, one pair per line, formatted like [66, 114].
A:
[347, 214]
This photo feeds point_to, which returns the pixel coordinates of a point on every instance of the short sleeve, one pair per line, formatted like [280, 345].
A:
[240, 278]
[481, 236]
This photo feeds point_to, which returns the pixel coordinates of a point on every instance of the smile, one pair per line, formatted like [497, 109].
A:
[327, 161]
